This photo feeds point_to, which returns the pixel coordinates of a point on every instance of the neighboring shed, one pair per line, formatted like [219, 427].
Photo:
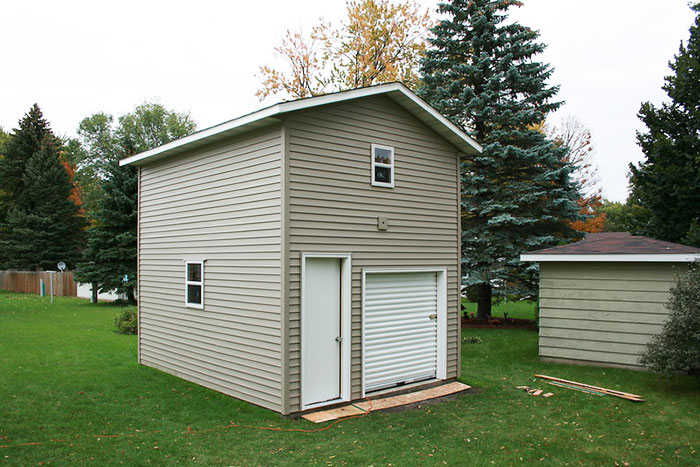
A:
[603, 298]
[305, 254]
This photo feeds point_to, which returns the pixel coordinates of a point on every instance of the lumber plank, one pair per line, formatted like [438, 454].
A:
[612, 392]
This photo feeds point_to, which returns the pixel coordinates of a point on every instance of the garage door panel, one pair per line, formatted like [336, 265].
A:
[386, 353]
[400, 329]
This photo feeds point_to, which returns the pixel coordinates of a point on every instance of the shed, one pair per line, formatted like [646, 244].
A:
[305, 254]
[603, 298]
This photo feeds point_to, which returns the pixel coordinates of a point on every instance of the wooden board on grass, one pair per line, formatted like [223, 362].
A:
[386, 403]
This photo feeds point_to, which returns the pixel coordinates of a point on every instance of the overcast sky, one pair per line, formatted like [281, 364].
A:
[76, 58]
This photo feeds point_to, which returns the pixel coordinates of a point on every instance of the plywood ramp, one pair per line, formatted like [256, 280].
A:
[366, 406]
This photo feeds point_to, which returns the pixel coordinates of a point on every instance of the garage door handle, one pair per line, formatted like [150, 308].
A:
[433, 316]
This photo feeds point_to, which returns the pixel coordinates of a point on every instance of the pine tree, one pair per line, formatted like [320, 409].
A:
[517, 194]
[111, 251]
[21, 144]
[667, 181]
[46, 225]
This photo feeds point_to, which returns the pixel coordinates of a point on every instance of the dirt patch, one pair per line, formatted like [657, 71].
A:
[437, 400]
[499, 323]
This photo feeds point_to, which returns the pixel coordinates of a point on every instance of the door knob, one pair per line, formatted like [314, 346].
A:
[433, 316]
[339, 339]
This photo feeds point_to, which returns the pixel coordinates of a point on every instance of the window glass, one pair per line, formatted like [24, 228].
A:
[194, 294]
[382, 156]
[194, 272]
[382, 174]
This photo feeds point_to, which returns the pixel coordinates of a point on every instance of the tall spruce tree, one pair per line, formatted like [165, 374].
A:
[111, 251]
[4, 138]
[19, 146]
[667, 181]
[43, 224]
[517, 194]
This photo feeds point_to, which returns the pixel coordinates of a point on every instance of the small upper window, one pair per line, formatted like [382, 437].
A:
[194, 284]
[382, 166]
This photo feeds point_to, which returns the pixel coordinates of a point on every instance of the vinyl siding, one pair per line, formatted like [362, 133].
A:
[222, 204]
[603, 313]
[334, 208]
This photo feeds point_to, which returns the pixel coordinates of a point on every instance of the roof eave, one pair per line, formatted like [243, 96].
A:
[634, 258]
[396, 91]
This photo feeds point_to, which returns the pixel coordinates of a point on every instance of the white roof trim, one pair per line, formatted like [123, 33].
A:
[634, 258]
[301, 104]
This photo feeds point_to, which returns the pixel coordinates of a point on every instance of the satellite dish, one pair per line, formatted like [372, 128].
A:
[61, 266]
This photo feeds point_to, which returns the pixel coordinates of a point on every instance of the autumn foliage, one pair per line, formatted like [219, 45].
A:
[378, 42]
[595, 221]
[573, 135]
[75, 192]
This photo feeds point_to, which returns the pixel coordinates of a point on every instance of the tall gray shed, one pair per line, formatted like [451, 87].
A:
[305, 254]
[603, 298]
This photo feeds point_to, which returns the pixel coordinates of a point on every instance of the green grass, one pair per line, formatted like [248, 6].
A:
[519, 309]
[67, 381]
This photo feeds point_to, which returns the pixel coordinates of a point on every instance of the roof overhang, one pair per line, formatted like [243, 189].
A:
[619, 258]
[270, 115]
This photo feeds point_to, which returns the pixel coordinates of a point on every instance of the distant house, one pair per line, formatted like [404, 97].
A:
[603, 298]
[305, 254]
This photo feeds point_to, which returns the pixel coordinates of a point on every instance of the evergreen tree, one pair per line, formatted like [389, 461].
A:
[46, 225]
[111, 251]
[667, 181]
[19, 146]
[4, 195]
[517, 194]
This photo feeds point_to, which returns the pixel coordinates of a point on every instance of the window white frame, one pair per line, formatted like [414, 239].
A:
[441, 370]
[378, 164]
[200, 283]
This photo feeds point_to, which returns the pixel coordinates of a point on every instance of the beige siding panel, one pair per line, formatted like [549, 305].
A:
[334, 208]
[618, 327]
[590, 356]
[612, 271]
[602, 312]
[221, 204]
[607, 285]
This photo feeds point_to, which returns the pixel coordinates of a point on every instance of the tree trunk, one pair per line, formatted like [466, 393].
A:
[95, 289]
[131, 298]
[483, 303]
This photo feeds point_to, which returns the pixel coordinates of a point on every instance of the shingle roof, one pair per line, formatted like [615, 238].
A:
[612, 243]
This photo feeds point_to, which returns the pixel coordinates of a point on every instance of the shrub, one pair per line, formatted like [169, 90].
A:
[126, 322]
[472, 340]
[678, 345]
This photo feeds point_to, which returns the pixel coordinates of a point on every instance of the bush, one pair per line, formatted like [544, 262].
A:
[472, 340]
[126, 322]
[678, 345]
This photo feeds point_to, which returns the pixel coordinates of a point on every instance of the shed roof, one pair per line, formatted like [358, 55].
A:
[269, 115]
[616, 246]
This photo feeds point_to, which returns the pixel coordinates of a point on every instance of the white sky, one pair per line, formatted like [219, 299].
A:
[75, 58]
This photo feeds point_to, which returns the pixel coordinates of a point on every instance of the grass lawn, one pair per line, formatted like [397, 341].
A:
[518, 309]
[71, 385]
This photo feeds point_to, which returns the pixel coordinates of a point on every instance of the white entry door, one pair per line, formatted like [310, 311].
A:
[321, 331]
[400, 323]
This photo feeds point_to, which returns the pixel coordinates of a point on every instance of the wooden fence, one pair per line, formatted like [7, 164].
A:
[29, 282]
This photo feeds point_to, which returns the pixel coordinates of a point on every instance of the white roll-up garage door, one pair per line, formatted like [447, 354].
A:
[400, 328]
